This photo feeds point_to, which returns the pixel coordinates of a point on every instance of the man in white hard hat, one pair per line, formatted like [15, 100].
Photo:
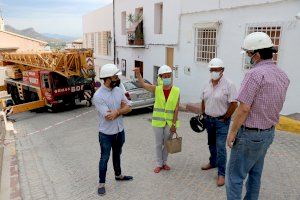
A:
[111, 103]
[261, 98]
[165, 112]
[218, 104]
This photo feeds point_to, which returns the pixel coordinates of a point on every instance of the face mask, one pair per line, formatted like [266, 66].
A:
[167, 81]
[249, 60]
[115, 83]
[215, 75]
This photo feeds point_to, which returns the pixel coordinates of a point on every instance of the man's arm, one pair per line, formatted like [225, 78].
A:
[242, 113]
[149, 87]
[124, 109]
[203, 106]
[175, 117]
[100, 105]
[230, 111]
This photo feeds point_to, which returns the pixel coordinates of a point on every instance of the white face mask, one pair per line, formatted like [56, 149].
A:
[215, 75]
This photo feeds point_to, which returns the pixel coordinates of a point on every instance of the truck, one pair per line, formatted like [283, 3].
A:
[48, 79]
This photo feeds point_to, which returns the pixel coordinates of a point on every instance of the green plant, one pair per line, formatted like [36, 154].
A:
[134, 17]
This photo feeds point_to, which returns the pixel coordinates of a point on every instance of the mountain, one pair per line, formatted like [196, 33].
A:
[30, 32]
[58, 36]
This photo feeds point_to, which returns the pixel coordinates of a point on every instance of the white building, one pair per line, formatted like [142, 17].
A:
[98, 35]
[186, 34]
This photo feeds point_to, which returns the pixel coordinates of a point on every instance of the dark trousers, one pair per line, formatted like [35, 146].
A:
[217, 134]
[108, 142]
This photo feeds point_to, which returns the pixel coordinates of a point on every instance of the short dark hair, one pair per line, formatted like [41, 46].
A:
[266, 53]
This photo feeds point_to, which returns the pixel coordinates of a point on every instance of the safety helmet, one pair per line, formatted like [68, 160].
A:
[216, 63]
[257, 40]
[109, 70]
[197, 123]
[164, 70]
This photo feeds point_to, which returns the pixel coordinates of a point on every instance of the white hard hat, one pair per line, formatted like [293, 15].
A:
[164, 69]
[216, 63]
[109, 70]
[257, 40]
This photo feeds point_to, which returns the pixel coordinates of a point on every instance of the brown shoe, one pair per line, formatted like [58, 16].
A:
[207, 167]
[220, 181]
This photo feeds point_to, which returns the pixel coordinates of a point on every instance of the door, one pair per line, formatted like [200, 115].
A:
[140, 65]
[170, 56]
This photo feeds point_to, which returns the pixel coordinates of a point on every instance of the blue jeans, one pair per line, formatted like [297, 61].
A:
[217, 134]
[108, 142]
[247, 158]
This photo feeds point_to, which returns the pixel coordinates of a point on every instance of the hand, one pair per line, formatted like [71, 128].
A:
[112, 115]
[123, 104]
[230, 139]
[173, 129]
[137, 70]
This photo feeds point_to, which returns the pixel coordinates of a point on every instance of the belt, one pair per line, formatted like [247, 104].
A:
[257, 129]
[220, 117]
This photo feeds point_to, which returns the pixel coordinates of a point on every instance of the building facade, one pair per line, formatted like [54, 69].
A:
[186, 34]
[98, 35]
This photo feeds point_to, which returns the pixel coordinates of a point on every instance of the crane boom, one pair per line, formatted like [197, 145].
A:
[67, 63]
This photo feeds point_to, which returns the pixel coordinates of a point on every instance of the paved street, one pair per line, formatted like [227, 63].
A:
[61, 161]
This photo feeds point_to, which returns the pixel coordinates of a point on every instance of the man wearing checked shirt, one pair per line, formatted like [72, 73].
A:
[261, 98]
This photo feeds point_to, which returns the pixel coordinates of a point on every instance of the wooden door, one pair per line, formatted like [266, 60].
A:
[170, 56]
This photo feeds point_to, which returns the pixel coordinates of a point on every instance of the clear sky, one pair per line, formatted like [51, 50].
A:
[49, 16]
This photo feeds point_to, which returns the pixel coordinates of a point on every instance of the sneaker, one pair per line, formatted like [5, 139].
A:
[101, 191]
[207, 167]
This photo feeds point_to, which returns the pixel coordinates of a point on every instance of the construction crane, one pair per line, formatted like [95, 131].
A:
[48, 79]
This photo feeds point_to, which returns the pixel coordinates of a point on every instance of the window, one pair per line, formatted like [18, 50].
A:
[92, 41]
[206, 44]
[158, 18]
[86, 38]
[123, 21]
[99, 43]
[272, 30]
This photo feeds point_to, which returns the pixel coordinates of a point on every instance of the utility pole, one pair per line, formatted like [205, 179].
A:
[114, 31]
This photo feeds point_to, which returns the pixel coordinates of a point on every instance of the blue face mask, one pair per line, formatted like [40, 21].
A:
[249, 60]
[167, 81]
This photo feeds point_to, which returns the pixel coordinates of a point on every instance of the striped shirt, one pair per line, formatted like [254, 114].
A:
[264, 89]
[104, 100]
[217, 98]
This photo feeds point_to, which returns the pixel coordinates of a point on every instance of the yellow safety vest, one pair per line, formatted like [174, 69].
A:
[163, 111]
[159, 81]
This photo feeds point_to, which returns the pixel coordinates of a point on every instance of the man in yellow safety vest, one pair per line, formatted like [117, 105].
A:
[165, 112]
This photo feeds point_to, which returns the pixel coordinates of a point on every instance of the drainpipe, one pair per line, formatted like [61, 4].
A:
[114, 31]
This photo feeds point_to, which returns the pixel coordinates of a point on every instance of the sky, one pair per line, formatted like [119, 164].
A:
[49, 16]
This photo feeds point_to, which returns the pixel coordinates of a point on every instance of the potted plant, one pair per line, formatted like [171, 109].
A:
[136, 37]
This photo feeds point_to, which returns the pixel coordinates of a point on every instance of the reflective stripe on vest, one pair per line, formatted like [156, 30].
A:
[163, 111]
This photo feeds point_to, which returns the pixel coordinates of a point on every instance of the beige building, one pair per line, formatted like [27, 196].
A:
[11, 42]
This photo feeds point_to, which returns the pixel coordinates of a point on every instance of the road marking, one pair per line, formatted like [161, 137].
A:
[9, 141]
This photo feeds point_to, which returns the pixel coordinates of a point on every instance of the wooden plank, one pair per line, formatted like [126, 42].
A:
[28, 106]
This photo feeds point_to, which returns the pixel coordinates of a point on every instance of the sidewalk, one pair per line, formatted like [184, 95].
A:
[9, 179]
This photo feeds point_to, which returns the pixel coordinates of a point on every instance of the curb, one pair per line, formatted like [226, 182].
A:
[10, 182]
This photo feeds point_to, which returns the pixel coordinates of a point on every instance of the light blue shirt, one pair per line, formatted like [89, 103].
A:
[104, 100]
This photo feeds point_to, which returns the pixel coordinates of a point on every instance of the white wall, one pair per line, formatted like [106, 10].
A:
[98, 21]
[231, 35]
[171, 11]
